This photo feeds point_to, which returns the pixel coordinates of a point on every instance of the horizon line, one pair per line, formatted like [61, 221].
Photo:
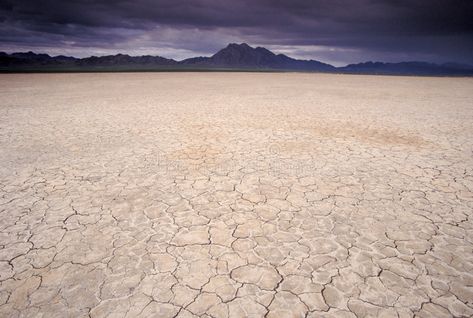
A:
[239, 44]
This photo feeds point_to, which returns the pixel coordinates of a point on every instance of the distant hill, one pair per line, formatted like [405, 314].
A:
[29, 59]
[233, 57]
[124, 60]
[408, 68]
[32, 61]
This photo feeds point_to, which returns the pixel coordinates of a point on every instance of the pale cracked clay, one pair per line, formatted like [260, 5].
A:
[235, 195]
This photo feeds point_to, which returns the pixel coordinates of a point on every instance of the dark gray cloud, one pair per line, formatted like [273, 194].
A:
[332, 30]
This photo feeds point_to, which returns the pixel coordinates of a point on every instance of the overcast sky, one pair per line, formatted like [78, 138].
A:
[333, 31]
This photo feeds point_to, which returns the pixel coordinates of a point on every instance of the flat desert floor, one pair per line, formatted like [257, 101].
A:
[235, 195]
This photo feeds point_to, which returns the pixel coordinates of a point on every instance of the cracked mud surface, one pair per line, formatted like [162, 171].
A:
[235, 195]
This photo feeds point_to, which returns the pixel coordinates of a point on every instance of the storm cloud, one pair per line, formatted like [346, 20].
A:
[335, 31]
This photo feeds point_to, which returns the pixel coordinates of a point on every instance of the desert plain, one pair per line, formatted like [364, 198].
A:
[235, 195]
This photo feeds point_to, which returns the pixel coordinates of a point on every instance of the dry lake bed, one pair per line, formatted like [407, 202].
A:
[235, 195]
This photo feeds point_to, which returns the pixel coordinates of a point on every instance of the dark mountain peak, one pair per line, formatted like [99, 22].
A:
[244, 56]
[244, 48]
[234, 48]
[239, 46]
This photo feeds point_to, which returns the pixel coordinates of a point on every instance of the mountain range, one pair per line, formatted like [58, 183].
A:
[236, 57]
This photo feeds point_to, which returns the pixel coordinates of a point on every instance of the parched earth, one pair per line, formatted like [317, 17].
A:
[235, 195]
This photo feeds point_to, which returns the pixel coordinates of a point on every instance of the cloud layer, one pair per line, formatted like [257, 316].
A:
[336, 31]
